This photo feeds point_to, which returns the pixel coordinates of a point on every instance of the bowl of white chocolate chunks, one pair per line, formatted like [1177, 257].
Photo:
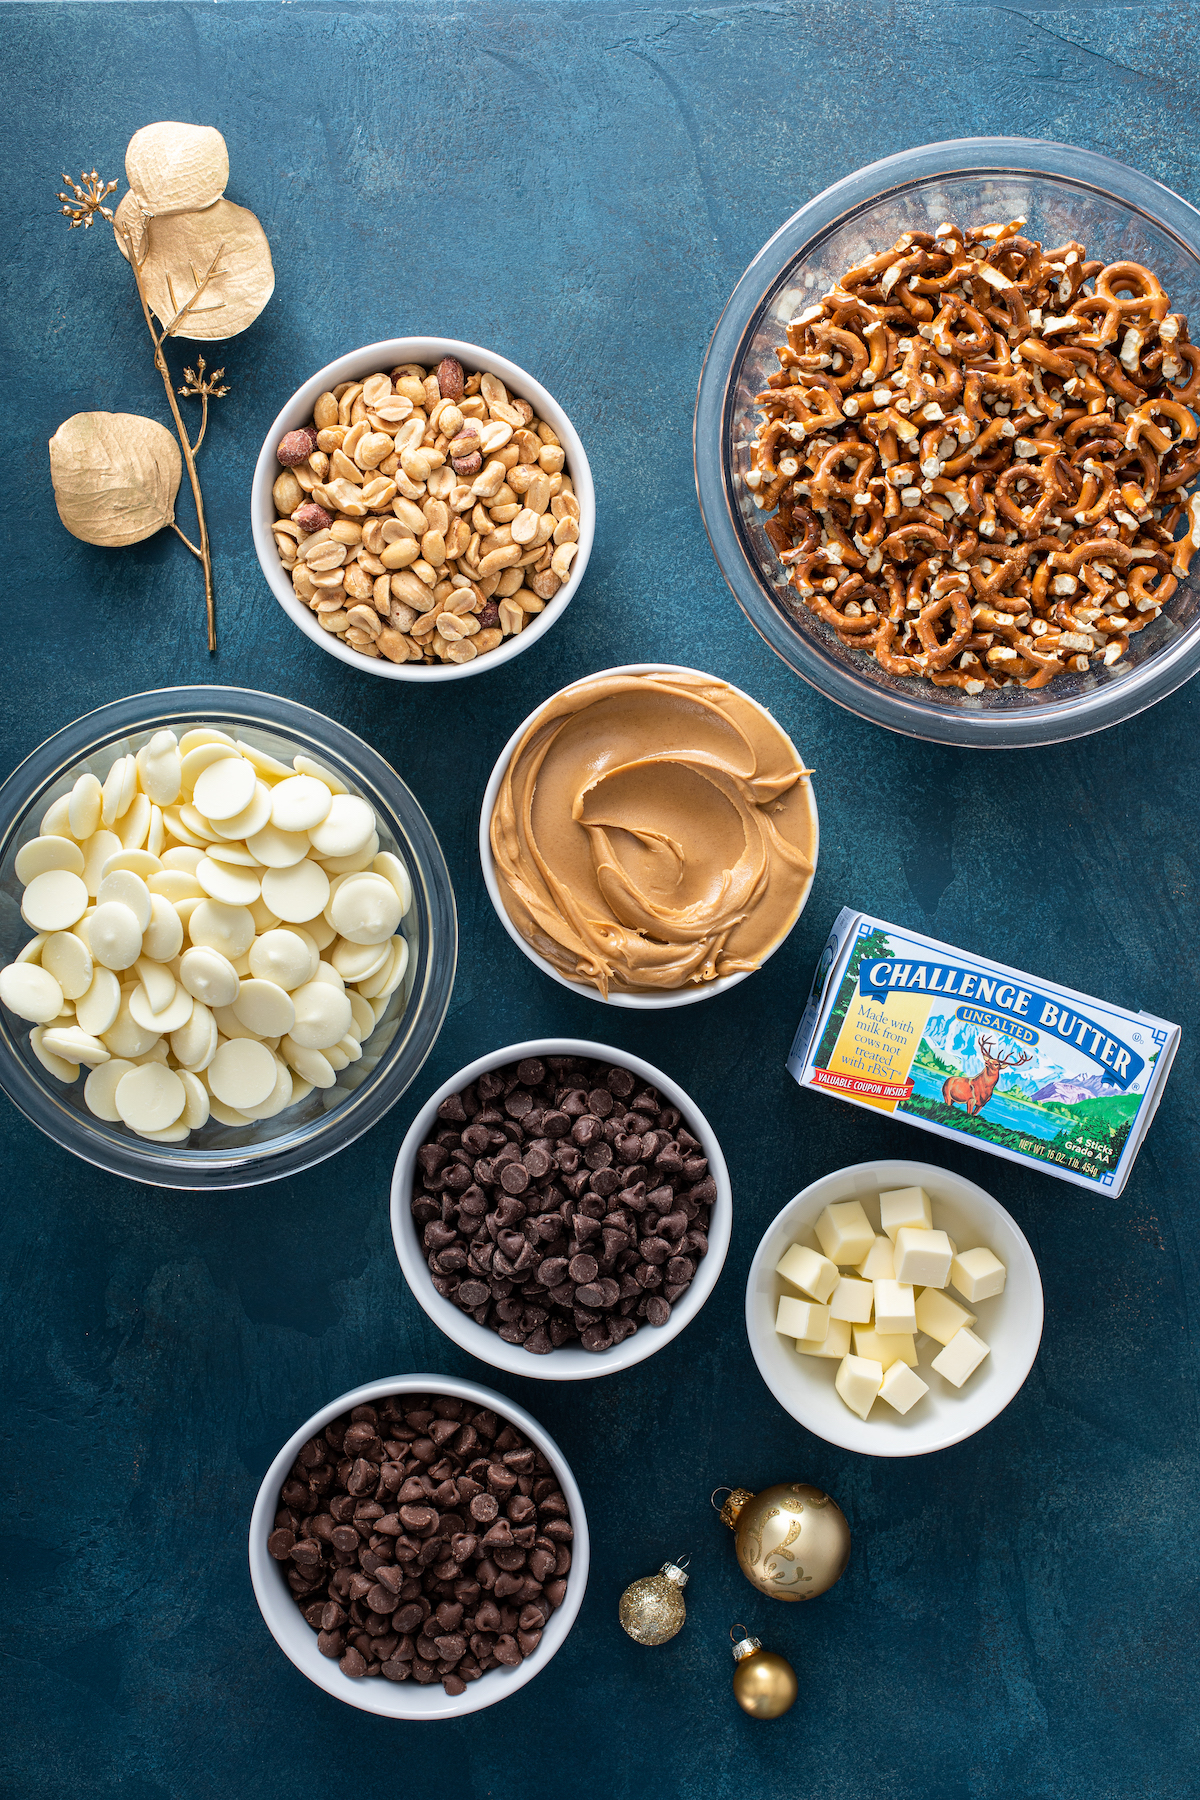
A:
[227, 937]
[894, 1308]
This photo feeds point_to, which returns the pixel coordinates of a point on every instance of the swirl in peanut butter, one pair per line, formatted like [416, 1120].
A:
[653, 831]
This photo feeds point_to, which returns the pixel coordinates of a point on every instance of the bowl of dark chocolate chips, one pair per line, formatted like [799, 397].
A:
[419, 1548]
[561, 1209]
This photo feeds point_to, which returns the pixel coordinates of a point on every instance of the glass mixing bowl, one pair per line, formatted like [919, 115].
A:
[1063, 193]
[222, 1156]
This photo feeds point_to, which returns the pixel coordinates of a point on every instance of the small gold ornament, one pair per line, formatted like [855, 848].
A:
[792, 1540]
[651, 1608]
[764, 1683]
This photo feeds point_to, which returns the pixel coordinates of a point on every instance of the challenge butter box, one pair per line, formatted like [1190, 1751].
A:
[974, 1050]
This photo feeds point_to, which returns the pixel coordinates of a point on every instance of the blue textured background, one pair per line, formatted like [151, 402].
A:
[580, 186]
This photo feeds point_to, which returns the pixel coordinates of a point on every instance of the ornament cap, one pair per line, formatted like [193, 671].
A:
[743, 1644]
[676, 1571]
[738, 1497]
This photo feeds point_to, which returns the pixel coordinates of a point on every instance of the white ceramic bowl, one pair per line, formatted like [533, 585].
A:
[569, 1363]
[1011, 1324]
[408, 1700]
[639, 1002]
[428, 351]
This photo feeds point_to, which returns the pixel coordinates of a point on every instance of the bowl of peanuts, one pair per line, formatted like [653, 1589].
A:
[423, 509]
[947, 436]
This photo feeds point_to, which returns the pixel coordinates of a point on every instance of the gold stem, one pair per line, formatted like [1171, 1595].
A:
[203, 423]
[185, 539]
[160, 362]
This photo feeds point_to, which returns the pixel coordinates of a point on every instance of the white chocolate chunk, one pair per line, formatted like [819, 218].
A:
[834, 1345]
[922, 1258]
[74, 1045]
[358, 962]
[901, 1388]
[217, 926]
[97, 1010]
[225, 788]
[203, 734]
[289, 958]
[300, 803]
[310, 1064]
[813, 1274]
[267, 766]
[360, 863]
[125, 1037]
[801, 1318]
[163, 938]
[84, 805]
[252, 818]
[195, 1044]
[43, 853]
[940, 1317]
[31, 992]
[878, 1264]
[160, 768]
[852, 1301]
[100, 1088]
[977, 1274]
[393, 870]
[114, 936]
[134, 826]
[172, 1018]
[296, 893]
[57, 1066]
[56, 820]
[227, 881]
[158, 982]
[66, 957]
[150, 1097]
[279, 1097]
[196, 1105]
[322, 1015]
[139, 861]
[265, 1008]
[242, 1073]
[884, 1348]
[894, 1308]
[99, 850]
[226, 1115]
[54, 900]
[200, 757]
[961, 1356]
[858, 1381]
[905, 1206]
[278, 849]
[844, 1232]
[209, 976]
[128, 889]
[304, 765]
[365, 909]
[120, 786]
[348, 826]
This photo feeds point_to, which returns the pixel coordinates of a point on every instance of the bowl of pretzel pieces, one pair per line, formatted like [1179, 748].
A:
[946, 439]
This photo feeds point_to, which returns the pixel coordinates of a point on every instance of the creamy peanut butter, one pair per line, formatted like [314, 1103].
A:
[653, 831]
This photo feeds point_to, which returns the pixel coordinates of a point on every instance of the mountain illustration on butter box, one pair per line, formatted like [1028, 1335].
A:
[968, 1048]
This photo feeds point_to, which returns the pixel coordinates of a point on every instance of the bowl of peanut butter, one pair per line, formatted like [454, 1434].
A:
[649, 836]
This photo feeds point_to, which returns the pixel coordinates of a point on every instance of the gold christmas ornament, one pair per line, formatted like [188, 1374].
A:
[792, 1540]
[651, 1608]
[764, 1683]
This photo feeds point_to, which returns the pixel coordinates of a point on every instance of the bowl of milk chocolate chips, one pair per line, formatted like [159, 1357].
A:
[561, 1209]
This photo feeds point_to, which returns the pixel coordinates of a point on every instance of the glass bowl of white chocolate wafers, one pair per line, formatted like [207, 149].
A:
[919, 1301]
[227, 937]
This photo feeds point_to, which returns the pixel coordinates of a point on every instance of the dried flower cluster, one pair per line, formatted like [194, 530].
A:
[202, 268]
